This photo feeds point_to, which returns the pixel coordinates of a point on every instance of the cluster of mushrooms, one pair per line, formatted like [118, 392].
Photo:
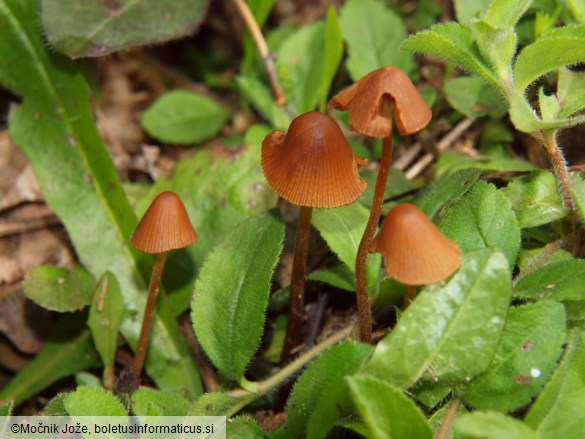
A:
[312, 165]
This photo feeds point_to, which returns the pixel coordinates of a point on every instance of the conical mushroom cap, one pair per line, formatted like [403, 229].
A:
[165, 226]
[312, 164]
[367, 101]
[415, 252]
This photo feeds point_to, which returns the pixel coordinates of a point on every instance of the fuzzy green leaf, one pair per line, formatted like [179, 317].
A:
[184, 117]
[483, 218]
[263, 101]
[321, 392]
[558, 280]
[231, 292]
[526, 357]
[213, 404]
[498, 47]
[504, 14]
[373, 34]
[465, 10]
[387, 411]
[93, 401]
[570, 91]
[152, 402]
[97, 28]
[450, 332]
[245, 427]
[578, 193]
[472, 97]
[490, 425]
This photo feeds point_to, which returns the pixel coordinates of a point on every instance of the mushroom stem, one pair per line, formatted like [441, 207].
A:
[363, 300]
[297, 284]
[409, 295]
[153, 289]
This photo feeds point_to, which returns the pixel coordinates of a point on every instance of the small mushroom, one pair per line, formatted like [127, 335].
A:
[370, 102]
[164, 227]
[415, 251]
[310, 165]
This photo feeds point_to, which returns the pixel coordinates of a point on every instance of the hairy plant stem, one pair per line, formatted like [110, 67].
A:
[549, 139]
[448, 418]
[297, 284]
[363, 300]
[153, 290]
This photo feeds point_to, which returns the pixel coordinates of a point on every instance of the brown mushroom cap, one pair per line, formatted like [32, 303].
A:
[415, 251]
[367, 101]
[165, 226]
[312, 164]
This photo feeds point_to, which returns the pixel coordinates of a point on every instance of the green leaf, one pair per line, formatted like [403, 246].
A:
[245, 427]
[526, 357]
[98, 28]
[387, 411]
[558, 48]
[6, 409]
[251, 61]
[54, 128]
[482, 219]
[577, 8]
[152, 402]
[231, 292]
[450, 332]
[59, 289]
[490, 425]
[184, 117]
[262, 100]
[105, 317]
[321, 392]
[570, 91]
[504, 14]
[373, 34]
[342, 229]
[498, 47]
[465, 10]
[454, 42]
[94, 401]
[451, 161]
[549, 105]
[526, 120]
[213, 404]
[340, 276]
[558, 280]
[558, 410]
[332, 53]
[535, 199]
[472, 97]
[578, 193]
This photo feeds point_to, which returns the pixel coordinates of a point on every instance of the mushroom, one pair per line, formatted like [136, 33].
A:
[164, 227]
[369, 103]
[310, 165]
[415, 251]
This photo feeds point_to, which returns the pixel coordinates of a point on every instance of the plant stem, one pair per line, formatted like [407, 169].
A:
[153, 289]
[363, 300]
[297, 284]
[549, 139]
[409, 295]
[448, 419]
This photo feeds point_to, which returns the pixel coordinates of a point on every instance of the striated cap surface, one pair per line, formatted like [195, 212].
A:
[312, 164]
[165, 226]
[368, 99]
[415, 252]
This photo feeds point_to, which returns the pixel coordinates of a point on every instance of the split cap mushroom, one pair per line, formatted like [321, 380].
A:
[164, 227]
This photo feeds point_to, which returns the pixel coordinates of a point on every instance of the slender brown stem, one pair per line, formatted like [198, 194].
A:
[409, 295]
[153, 289]
[363, 300]
[297, 284]
[448, 419]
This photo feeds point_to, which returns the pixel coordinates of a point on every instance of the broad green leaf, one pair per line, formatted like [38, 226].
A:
[231, 292]
[332, 53]
[558, 48]
[483, 218]
[472, 97]
[97, 28]
[454, 42]
[184, 117]
[152, 402]
[245, 427]
[535, 199]
[67, 351]
[526, 357]
[558, 411]
[262, 100]
[504, 14]
[340, 276]
[450, 162]
[490, 425]
[320, 394]
[53, 126]
[105, 317]
[558, 280]
[213, 404]
[466, 10]
[570, 91]
[435, 198]
[93, 401]
[59, 289]
[450, 332]
[373, 34]
[387, 411]
[342, 229]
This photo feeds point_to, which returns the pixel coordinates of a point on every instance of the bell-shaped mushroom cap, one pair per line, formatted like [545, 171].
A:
[312, 164]
[415, 252]
[367, 102]
[165, 226]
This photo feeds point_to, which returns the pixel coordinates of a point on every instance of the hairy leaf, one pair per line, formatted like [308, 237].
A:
[490, 425]
[557, 280]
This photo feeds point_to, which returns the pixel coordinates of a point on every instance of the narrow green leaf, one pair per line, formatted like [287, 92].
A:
[94, 401]
[231, 292]
[498, 47]
[578, 193]
[251, 62]
[549, 105]
[332, 53]
[98, 28]
[505, 14]
[465, 10]
[472, 97]
[320, 394]
[213, 404]
[340, 276]
[526, 120]
[526, 357]
[152, 402]
[450, 162]
[570, 91]
[490, 425]
[577, 8]
[6, 410]
[184, 117]
[558, 411]
[373, 34]
[59, 289]
[263, 101]
[558, 280]
[387, 411]
[245, 427]
[450, 332]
